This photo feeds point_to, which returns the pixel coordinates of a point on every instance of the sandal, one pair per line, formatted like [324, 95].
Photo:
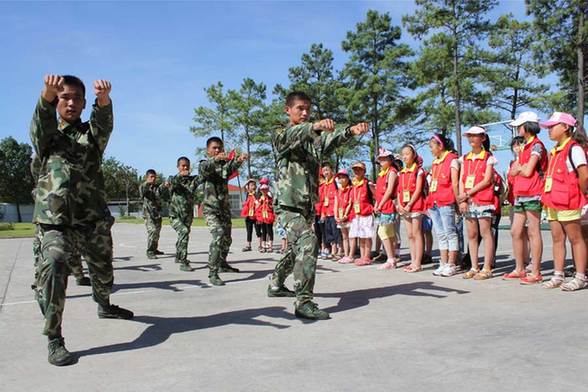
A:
[483, 275]
[514, 275]
[362, 262]
[575, 284]
[412, 269]
[391, 264]
[246, 249]
[470, 274]
[553, 283]
[532, 279]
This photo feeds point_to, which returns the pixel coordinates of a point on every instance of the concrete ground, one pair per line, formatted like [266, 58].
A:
[389, 330]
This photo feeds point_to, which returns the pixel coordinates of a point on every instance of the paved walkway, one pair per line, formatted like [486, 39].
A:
[389, 330]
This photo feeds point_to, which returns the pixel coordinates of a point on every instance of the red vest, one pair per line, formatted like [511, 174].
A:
[441, 189]
[265, 212]
[328, 198]
[318, 207]
[477, 168]
[565, 193]
[510, 182]
[248, 210]
[531, 186]
[362, 204]
[343, 201]
[381, 186]
[407, 181]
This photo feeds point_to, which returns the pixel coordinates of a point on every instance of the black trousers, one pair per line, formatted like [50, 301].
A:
[267, 231]
[250, 225]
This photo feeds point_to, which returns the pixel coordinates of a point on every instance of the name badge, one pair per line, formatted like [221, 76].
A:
[405, 196]
[340, 212]
[548, 184]
[356, 208]
[251, 212]
[326, 203]
[265, 214]
[433, 186]
[470, 181]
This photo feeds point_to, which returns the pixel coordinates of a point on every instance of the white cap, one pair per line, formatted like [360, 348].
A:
[475, 130]
[525, 117]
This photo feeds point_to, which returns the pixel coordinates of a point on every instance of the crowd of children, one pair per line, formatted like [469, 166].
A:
[352, 210]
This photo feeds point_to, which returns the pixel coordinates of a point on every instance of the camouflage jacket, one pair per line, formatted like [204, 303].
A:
[300, 151]
[70, 189]
[182, 190]
[151, 195]
[215, 176]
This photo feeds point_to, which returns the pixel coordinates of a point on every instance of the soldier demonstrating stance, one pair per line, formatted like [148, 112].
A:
[151, 194]
[300, 148]
[70, 202]
[215, 172]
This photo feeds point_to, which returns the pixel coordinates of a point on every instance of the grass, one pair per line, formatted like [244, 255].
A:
[238, 223]
[17, 230]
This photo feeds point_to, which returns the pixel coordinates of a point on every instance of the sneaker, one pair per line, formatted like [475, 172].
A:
[449, 270]
[439, 269]
[327, 256]
[186, 267]
[227, 268]
[309, 310]
[159, 253]
[246, 249]
[575, 284]
[83, 281]
[279, 291]
[114, 312]
[151, 256]
[58, 354]
[215, 280]
[362, 262]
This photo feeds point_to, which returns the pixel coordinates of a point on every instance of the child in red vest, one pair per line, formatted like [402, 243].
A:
[248, 212]
[477, 201]
[264, 214]
[441, 202]
[343, 205]
[362, 221]
[330, 232]
[411, 204]
[566, 182]
[527, 173]
[386, 184]
[319, 225]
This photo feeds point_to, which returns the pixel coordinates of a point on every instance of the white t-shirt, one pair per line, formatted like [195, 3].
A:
[578, 156]
[492, 161]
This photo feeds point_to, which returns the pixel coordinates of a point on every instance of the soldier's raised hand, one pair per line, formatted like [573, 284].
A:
[221, 156]
[326, 125]
[102, 90]
[53, 86]
[360, 129]
[242, 157]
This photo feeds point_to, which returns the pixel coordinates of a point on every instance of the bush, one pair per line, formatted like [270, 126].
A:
[6, 226]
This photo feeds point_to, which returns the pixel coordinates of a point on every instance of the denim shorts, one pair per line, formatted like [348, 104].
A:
[387, 219]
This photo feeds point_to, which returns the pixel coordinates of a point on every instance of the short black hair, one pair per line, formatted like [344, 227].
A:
[516, 140]
[150, 171]
[297, 95]
[71, 80]
[183, 159]
[327, 164]
[214, 139]
[532, 127]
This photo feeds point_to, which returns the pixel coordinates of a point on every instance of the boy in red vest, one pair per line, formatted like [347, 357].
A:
[330, 232]
[362, 221]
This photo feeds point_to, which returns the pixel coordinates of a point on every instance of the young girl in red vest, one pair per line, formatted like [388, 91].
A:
[386, 184]
[343, 205]
[264, 214]
[330, 232]
[441, 202]
[319, 225]
[527, 173]
[476, 201]
[566, 182]
[362, 222]
[411, 204]
[248, 212]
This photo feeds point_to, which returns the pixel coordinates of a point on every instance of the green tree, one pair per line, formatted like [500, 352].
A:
[460, 28]
[247, 106]
[273, 118]
[16, 181]
[513, 77]
[120, 181]
[561, 28]
[218, 117]
[374, 75]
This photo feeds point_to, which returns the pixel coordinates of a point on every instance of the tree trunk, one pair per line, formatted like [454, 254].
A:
[376, 139]
[580, 53]
[457, 97]
[248, 152]
[18, 215]
[515, 96]
[128, 202]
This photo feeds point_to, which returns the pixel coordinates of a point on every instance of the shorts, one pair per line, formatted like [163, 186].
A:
[386, 219]
[427, 223]
[584, 219]
[412, 215]
[281, 231]
[331, 234]
[476, 211]
[344, 225]
[362, 227]
[563, 215]
[522, 205]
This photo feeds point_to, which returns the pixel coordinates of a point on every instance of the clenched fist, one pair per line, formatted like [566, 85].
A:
[242, 157]
[360, 129]
[102, 90]
[326, 125]
[53, 86]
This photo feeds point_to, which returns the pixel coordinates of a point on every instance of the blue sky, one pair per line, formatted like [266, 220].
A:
[160, 57]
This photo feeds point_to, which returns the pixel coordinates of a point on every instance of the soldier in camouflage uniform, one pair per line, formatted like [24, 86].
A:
[70, 200]
[183, 188]
[300, 148]
[151, 194]
[214, 173]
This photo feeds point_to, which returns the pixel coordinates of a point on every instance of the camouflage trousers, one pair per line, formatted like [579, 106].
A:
[58, 243]
[75, 264]
[182, 226]
[153, 230]
[300, 257]
[219, 223]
